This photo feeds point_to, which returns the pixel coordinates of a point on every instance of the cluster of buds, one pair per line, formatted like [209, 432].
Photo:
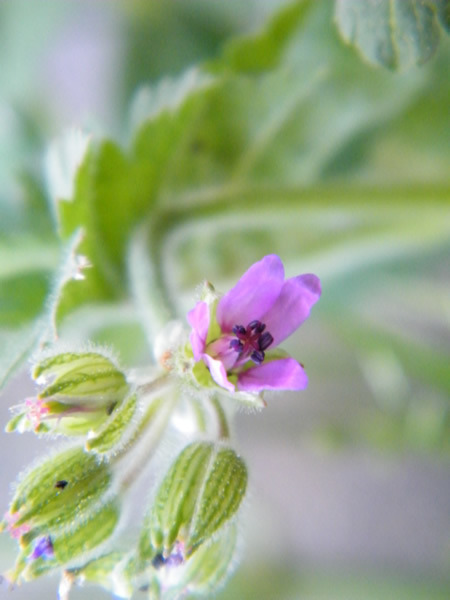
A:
[81, 392]
[61, 510]
[72, 511]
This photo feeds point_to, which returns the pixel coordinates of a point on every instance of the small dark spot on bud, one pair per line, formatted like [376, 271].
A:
[61, 484]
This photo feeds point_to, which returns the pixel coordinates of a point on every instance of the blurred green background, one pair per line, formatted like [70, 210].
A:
[306, 150]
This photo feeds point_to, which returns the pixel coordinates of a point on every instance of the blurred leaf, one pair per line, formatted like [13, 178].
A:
[22, 297]
[268, 581]
[392, 33]
[15, 348]
[113, 325]
[25, 273]
[115, 191]
[167, 96]
[443, 12]
[341, 231]
[196, 132]
[261, 51]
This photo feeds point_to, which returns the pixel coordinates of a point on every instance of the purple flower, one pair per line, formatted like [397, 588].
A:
[235, 336]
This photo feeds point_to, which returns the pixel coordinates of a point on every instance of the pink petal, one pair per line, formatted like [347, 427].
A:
[198, 319]
[221, 350]
[253, 295]
[16, 531]
[218, 372]
[282, 374]
[292, 306]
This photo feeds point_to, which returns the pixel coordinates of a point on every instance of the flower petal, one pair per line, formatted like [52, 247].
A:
[292, 306]
[253, 295]
[218, 372]
[282, 374]
[198, 319]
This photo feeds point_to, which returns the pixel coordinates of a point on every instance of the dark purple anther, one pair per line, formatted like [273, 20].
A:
[239, 330]
[237, 345]
[250, 341]
[257, 356]
[265, 340]
[256, 326]
[43, 548]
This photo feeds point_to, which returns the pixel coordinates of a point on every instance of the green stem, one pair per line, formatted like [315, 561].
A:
[147, 286]
[134, 458]
[224, 428]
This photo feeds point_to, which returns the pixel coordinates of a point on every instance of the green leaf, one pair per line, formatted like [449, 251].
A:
[115, 191]
[262, 51]
[25, 271]
[392, 33]
[443, 12]
[146, 288]
[22, 297]
[248, 221]
[16, 346]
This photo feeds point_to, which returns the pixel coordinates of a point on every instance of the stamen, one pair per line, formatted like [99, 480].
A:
[250, 341]
[237, 345]
[256, 326]
[257, 356]
[239, 330]
[265, 340]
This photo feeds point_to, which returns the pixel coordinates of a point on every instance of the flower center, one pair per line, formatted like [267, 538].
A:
[251, 341]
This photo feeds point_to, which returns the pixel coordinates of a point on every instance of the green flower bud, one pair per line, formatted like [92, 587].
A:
[61, 509]
[110, 433]
[67, 544]
[84, 390]
[60, 487]
[208, 568]
[113, 571]
[201, 492]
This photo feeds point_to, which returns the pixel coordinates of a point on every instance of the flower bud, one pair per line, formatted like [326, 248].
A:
[62, 508]
[111, 432]
[81, 393]
[201, 492]
[207, 570]
[63, 485]
[73, 541]
[113, 571]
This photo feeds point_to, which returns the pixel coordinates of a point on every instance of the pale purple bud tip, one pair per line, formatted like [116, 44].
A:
[43, 548]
